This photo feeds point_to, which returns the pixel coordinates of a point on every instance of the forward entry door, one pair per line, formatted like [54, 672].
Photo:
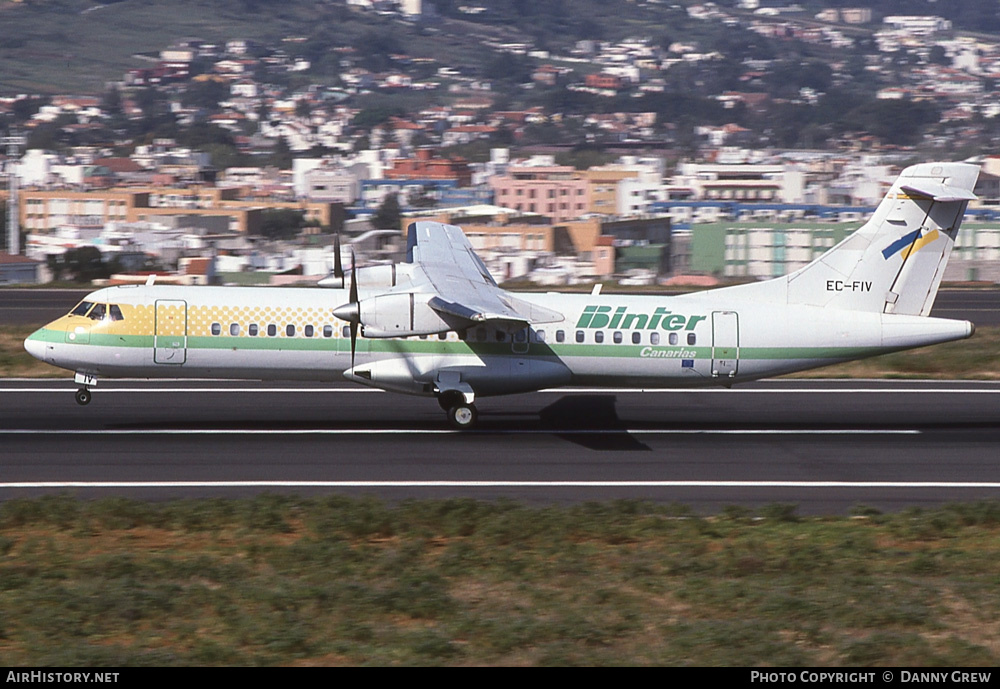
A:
[170, 332]
[725, 344]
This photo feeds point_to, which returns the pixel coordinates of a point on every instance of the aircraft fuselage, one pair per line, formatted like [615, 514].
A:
[290, 333]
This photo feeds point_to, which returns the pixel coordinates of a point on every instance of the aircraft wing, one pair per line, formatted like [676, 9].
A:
[463, 288]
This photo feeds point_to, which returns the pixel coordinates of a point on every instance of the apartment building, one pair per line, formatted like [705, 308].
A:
[555, 191]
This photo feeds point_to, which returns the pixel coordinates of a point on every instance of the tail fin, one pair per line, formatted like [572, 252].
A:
[895, 261]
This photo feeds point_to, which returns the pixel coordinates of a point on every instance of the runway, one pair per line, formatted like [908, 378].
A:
[824, 446]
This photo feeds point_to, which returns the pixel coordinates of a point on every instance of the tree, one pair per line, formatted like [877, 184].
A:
[281, 223]
[85, 264]
[388, 215]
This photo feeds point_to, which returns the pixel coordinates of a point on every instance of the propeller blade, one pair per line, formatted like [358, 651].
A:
[357, 305]
[354, 340]
[338, 266]
[354, 277]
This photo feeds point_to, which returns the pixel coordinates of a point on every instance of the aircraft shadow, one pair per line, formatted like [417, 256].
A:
[575, 413]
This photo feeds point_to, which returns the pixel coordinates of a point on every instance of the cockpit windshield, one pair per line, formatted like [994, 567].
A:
[82, 308]
[98, 312]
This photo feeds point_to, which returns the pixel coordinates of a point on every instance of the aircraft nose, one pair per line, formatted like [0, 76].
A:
[35, 347]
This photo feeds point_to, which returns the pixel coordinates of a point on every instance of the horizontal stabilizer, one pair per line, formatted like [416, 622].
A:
[938, 191]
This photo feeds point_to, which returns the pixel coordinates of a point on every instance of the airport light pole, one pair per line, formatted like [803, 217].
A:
[14, 142]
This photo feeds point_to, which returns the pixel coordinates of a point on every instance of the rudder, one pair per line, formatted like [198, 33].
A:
[895, 261]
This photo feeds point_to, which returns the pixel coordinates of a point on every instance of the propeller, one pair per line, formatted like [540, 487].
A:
[351, 311]
[338, 266]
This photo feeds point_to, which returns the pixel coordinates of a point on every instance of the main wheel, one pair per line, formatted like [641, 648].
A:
[450, 399]
[83, 397]
[463, 416]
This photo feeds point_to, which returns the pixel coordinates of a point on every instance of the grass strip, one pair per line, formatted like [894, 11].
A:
[280, 580]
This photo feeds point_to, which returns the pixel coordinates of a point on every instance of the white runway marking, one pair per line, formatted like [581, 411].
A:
[501, 484]
[446, 431]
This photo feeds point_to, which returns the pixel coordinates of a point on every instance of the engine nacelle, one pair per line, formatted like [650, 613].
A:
[383, 275]
[400, 315]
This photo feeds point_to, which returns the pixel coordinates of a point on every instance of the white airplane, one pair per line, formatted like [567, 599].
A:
[438, 325]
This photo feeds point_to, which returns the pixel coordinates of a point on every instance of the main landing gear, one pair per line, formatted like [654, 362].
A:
[85, 381]
[462, 415]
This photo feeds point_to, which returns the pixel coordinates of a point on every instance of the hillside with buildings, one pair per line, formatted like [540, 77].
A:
[683, 142]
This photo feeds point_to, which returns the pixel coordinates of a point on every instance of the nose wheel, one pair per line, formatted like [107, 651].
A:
[85, 381]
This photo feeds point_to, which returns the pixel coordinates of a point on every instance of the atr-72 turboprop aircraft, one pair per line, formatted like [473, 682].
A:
[438, 325]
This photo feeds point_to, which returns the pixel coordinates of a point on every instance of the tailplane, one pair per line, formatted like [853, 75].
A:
[895, 261]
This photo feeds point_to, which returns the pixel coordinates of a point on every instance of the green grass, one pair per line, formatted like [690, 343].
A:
[17, 363]
[336, 581]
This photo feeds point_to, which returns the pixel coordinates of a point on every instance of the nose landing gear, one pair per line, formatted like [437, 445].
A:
[85, 381]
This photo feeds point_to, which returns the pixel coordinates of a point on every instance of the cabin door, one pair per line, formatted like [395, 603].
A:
[725, 344]
[170, 332]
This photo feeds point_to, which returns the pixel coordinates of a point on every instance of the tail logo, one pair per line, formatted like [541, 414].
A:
[907, 244]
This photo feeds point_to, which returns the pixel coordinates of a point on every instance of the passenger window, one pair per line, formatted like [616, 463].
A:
[442, 336]
[252, 330]
[272, 330]
[654, 338]
[692, 338]
[463, 335]
[216, 329]
[82, 308]
[579, 336]
[290, 330]
[617, 337]
[599, 336]
[309, 331]
[327, 331]
[560, 335]
[98, 312]
[116, 313]
[636, 338]
[539, 336]
[673, 338]
[520, 336]
[501, 336]
[346, 332]
[234, 329]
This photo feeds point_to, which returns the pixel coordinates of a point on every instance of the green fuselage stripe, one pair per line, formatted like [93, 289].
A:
[442, 347]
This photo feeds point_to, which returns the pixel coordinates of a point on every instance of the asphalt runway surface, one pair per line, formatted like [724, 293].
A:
[825, 446]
